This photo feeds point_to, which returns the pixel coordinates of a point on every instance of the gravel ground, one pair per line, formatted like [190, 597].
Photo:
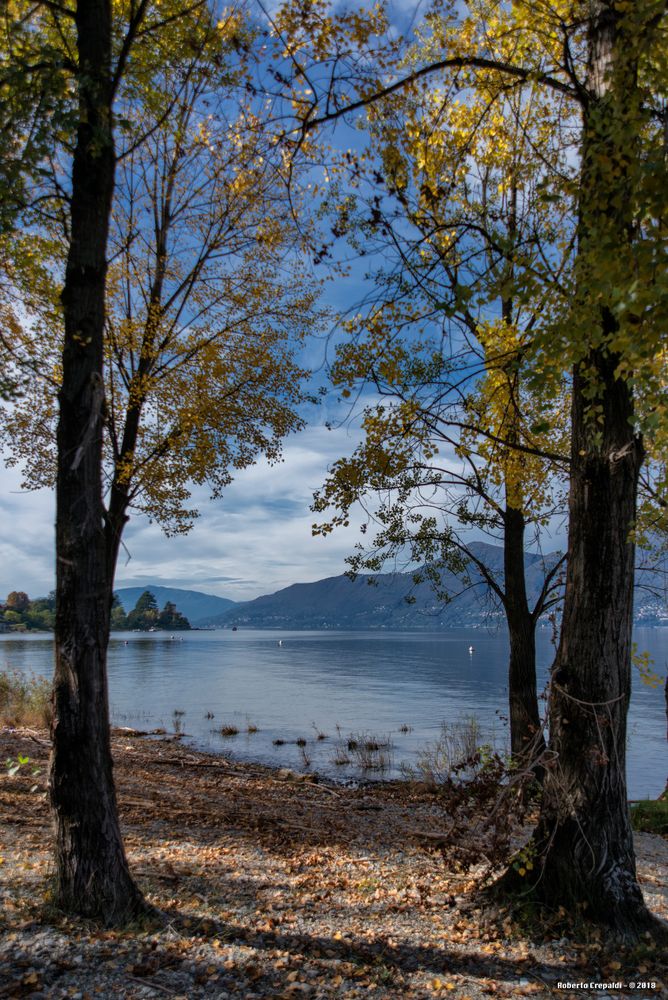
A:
[269, 886]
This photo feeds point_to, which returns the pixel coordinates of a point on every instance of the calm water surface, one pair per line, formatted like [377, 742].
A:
[360, 682]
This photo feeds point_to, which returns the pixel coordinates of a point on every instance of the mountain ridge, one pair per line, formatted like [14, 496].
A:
[379, 601]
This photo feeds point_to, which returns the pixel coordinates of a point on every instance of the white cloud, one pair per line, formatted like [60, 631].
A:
[26, 537]
[257, 539]
[254, 541]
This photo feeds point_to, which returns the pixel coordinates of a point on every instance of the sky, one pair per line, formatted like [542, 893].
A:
[255, 540]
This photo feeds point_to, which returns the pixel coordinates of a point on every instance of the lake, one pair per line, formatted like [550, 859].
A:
[395, 687]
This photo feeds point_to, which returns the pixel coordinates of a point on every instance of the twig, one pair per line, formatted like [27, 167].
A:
[533, 975]
[432, 835]
[152, 985]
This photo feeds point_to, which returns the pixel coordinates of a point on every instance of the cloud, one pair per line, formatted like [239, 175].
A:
[27, 537]
[254, 541]
[258, 538]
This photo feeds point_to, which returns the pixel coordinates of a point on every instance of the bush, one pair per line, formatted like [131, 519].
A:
[25, 700]
[650, 816]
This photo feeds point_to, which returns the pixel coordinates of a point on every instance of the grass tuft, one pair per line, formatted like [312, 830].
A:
[25, 700]
[457, 753]
[229, 730]
[364, 751]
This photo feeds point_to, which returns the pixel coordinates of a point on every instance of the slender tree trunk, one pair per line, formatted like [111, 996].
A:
[526, 731]
[92, 876]
[583, 843]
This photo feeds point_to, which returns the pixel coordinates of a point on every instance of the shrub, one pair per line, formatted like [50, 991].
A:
[456, 753]
[650, 816]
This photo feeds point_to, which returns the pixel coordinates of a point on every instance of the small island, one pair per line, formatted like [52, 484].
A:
[146, 616]
[21, 614]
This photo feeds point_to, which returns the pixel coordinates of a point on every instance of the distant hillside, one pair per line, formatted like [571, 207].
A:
[338, 602]
[197, 607]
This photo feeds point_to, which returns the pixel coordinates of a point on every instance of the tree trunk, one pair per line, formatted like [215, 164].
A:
[584, 838]
[526, 731]
[92, 876]
[583, 843]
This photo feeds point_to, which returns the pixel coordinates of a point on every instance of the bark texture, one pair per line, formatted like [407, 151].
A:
[92, 875]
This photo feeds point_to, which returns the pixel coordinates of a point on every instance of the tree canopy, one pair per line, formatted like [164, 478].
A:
[147, 616]
[207, 299]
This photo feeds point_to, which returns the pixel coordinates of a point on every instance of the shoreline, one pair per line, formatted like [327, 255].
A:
[272, 887]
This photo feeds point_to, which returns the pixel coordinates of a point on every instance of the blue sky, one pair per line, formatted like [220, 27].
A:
[255, 540]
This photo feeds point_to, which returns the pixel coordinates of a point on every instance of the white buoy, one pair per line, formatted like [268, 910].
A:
[471, 649]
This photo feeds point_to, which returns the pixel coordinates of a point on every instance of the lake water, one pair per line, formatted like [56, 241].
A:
[397, 685]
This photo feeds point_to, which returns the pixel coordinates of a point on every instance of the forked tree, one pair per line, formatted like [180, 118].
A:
[167, 358]
[462, 442]
[604, 62]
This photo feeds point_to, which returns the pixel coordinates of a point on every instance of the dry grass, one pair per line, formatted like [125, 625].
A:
[229, 730]
[364, 750]
[457, 752]
[25, 700]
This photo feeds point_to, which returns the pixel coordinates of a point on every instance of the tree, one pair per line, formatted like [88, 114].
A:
[20, 611]
[584, 835]
[176, 361]
[41, 613]
[469, 275]
[206, 302]
[118, 619]
[171, 618]
[14, 619]
[145, 613]
[604, 63]
[92, 873]
[17, 600]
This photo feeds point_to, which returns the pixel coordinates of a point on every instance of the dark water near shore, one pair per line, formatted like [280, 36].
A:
[396, 685]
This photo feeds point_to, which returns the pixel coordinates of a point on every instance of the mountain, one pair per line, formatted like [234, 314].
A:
[379, 601]
[197, 607]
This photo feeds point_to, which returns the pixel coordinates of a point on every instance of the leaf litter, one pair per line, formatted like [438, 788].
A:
[272, 884]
